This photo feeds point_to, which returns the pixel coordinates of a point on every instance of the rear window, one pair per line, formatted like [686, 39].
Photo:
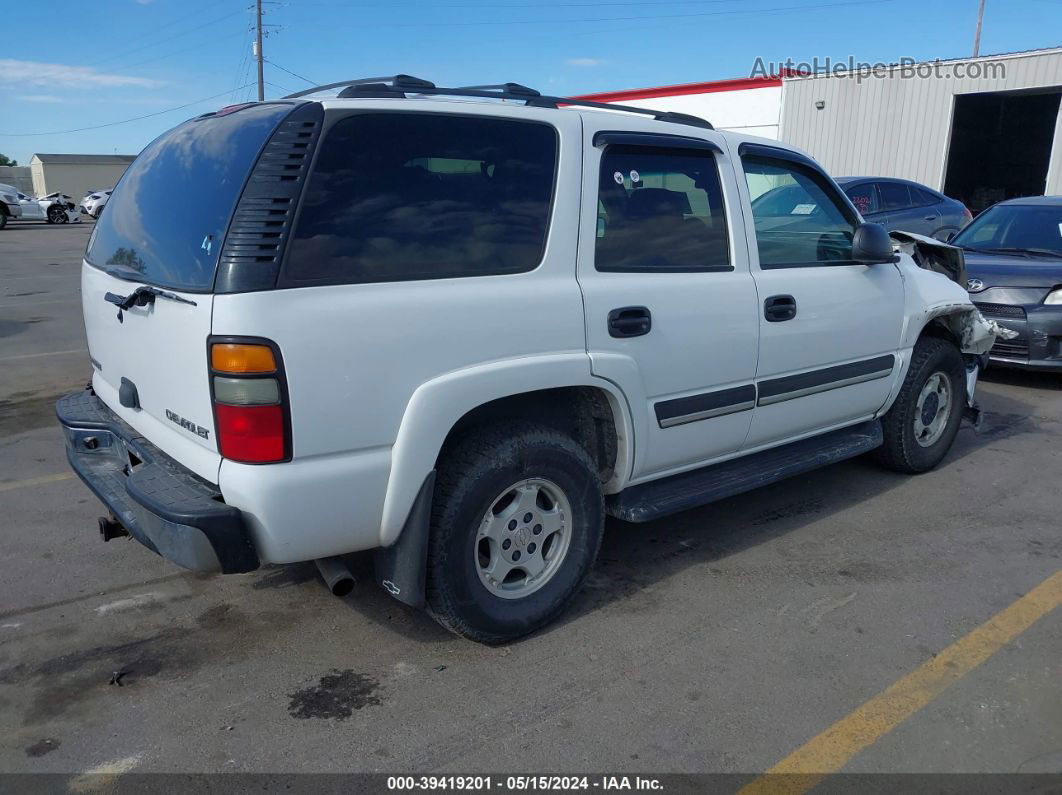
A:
[400, 196]
[894, 196]
[167, 216]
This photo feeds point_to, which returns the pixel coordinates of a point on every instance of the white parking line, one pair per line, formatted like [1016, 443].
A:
[20, 304]
[35, 355]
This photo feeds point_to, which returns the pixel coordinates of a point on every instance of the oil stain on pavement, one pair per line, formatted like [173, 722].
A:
[336, 695]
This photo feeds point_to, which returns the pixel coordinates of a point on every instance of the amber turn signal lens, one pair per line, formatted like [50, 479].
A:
[231, 357]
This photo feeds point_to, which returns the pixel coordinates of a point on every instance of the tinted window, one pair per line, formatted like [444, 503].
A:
[660, 209]
[894, 196]
[398, 196]
[864, 197]
[167, 216]
[798, 218]
[922, 197]
[1015, 226]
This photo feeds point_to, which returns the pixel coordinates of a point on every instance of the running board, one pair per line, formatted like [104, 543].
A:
[687, 490]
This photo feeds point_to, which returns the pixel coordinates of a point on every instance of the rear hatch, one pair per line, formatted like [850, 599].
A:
[162, 235]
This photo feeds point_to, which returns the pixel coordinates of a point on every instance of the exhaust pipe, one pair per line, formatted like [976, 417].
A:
[111, 528]
[336, 575]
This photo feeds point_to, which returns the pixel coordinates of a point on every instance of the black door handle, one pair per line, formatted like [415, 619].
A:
[629, 321]
[779, 307]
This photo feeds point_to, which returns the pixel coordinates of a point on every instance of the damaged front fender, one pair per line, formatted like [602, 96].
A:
[932, 299]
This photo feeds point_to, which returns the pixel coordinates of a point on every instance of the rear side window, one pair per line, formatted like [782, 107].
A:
[923, 197]
[660, 210]
[166, 218]
[894, 196]
[400, 196]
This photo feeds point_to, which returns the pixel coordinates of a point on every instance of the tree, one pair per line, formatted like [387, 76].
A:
[7, 161]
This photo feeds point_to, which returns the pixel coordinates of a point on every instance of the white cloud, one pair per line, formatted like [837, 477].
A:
[39, 98]
[585, 62]
[37, 73]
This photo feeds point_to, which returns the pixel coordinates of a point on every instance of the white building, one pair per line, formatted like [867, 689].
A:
[75, 175]
[978, 129]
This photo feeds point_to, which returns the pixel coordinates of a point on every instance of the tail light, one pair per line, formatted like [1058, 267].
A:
[250, 396]
[967, 214]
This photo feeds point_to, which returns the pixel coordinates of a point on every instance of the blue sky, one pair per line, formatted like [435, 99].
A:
[113, 60]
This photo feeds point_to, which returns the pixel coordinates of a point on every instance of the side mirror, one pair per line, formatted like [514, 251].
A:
[871, 244]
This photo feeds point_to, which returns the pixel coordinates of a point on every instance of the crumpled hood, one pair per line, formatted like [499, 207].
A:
[1003, 270]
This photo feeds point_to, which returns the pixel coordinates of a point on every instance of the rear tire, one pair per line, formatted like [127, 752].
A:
[3, 220]
[506, 498]
[921, 426]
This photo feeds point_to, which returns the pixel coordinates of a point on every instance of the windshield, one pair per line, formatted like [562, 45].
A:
[167, 216]
[1035, 228]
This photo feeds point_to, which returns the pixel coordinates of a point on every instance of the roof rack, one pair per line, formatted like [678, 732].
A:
[401, 85]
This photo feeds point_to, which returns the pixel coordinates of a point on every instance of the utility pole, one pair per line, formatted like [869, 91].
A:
[258, 46]
[977, 35]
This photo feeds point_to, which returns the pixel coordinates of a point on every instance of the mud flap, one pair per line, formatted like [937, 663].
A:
[401, 569]
[974, 365]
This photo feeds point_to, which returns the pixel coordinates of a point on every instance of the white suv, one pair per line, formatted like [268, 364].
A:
[461, 331]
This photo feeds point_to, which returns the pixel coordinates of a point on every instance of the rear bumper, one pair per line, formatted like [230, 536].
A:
[166, 507]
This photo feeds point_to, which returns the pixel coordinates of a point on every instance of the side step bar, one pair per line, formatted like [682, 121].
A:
[701, 486]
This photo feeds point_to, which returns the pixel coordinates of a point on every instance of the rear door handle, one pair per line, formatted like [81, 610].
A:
[629, 321]
[779, 307]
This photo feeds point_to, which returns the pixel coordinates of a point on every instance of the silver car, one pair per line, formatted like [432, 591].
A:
[94, 202]
[900, 204]
[9, 204]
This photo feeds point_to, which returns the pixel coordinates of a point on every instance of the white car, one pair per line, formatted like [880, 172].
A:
[94, 202]
[9, 204]
[55, 208]
[460, 332]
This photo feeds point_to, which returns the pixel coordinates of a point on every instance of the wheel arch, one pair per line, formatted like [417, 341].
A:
[557, 389]
[443, 409]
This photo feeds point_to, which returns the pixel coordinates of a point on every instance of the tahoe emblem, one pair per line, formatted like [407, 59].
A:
[188, 425]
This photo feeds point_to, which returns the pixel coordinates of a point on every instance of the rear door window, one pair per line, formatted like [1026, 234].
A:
[166, 218]
[894, 196]
[660, 210]
[400, 196]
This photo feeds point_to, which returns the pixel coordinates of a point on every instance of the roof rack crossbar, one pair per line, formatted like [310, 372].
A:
[401, 85]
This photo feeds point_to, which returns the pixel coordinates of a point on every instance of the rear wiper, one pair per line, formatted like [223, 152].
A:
[142, 296]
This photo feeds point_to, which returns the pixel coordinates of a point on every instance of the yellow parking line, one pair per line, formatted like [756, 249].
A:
[831, 750]
[38, 481]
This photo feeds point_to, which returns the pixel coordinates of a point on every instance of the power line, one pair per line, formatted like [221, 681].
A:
[282, 69]
[209, 43]
[123, 121]
[280, 88]
[173, 36]
[506, 6]
[636, 17]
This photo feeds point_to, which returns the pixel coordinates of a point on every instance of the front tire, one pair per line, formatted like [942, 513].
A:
[517, 520]
[921, 426]
[56, 214]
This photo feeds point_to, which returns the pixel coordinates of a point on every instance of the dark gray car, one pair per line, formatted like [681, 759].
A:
[1014, 266]
[905, 205]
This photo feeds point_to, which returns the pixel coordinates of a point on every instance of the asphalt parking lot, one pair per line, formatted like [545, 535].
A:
[720, 640]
